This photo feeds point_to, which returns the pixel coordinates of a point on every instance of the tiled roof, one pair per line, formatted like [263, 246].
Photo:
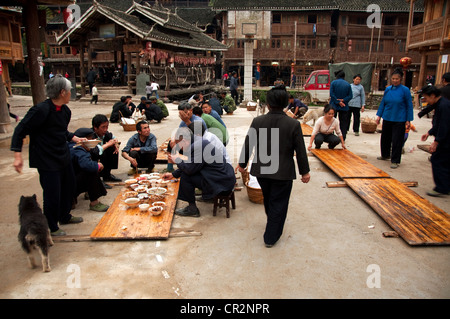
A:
[191, 38]
[311, 5]
[196, 16]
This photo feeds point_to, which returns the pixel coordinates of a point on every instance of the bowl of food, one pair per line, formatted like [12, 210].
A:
[144, 182]
[131, 181]
[163, 183]
[134, 186]
[129, 194]
[132, 202]
[143, 196]
[161, 204]
[156, 210]
[90, 143]
[144, 207]
[141, 189]
[156, 191]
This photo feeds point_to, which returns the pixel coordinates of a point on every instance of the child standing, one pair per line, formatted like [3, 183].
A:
[94, 94]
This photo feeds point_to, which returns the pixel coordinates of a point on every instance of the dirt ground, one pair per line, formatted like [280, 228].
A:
[332, 245]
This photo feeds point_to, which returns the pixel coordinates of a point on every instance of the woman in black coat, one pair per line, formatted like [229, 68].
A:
[46, 123]
[276, 137]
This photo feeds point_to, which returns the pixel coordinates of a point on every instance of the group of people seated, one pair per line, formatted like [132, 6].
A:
[151, 108]
[201, 131]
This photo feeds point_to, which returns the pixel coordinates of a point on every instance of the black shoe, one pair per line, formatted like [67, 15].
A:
[188, 212]
[111, 178]
[204, 200]
[107, 186]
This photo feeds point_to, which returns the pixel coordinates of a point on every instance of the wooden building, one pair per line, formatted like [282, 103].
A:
[11, 50]
[307, 36]
[431, 38]
[147, 39]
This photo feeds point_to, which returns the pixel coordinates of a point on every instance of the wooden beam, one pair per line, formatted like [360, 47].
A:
[344, 184]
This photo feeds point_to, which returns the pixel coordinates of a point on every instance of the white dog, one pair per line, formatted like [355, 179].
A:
[312, 114]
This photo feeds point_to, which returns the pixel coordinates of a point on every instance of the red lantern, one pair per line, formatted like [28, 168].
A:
[405, 62]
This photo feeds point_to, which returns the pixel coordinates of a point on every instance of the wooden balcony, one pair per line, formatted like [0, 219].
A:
[280, 54]
[362, 31]
[11, 51]
[302, 29]
[432, 33]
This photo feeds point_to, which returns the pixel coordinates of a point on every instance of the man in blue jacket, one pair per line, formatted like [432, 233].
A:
[141, 149]
[340, 94]
[87, 172]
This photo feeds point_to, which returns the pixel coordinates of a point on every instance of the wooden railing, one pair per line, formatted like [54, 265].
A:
[429, 33]
[302, 28]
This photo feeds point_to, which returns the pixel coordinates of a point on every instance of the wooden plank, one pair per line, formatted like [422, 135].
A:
[306, 129]
[345, 164]
[162, 156]
[344, 184]
[413, 217]
[120, 222]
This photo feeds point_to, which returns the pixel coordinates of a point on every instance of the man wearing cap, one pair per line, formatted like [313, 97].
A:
[161, 105]
[141, 149]
[153, 112]
[87, 172]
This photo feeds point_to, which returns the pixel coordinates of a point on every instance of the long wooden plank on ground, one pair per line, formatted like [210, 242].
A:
[414, 218]
[306, 129]
[120, 222]
[345, 164]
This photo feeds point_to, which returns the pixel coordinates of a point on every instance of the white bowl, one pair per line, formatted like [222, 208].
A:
[161, 204]
[132, 202]
[156, 191]
[156, 210]
[144, 207]
[90, 143]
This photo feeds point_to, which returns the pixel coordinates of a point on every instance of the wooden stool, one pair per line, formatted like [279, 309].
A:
[223, 200]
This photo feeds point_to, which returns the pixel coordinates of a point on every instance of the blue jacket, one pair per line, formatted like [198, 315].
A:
[148, 147]
[396, 105]
[81, 159]
[217, 117]
[340, 89]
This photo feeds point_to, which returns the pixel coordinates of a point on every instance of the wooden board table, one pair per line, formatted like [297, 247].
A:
[162, 156]
[306, 129]
[122, 223]
[345, 164]
[414, 218]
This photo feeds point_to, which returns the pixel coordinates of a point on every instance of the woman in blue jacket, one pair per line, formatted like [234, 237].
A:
[396, 110]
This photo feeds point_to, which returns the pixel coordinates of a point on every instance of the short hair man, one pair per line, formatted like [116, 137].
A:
[120, 109]
[297, 107]
[202, 166]
[141, 149]
[445, 90]
[186, 115]
[207, 109]
[107, 151]
[440, 148]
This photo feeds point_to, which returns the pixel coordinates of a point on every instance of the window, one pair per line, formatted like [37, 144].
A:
[322, 79]
[312, 18]
[276, 18]
[303, 44]
[312, 80]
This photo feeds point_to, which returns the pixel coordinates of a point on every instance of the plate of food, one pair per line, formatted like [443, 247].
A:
[156, 191]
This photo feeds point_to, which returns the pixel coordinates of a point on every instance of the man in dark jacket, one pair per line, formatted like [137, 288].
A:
[440, 148]
[202, 166]
[120, 109]
[107, 151]
[87, 172]
[153, 112]
[276, 137]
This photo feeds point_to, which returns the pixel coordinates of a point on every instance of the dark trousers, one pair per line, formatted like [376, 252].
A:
[90, 183]
[110, 161]
[356, 112]
[58, 192]
[94, 99]
[331, 139]
[235, 96]
[392, 140]
[344, 122]
[144, 160]
[440, 165]
[276, 201]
